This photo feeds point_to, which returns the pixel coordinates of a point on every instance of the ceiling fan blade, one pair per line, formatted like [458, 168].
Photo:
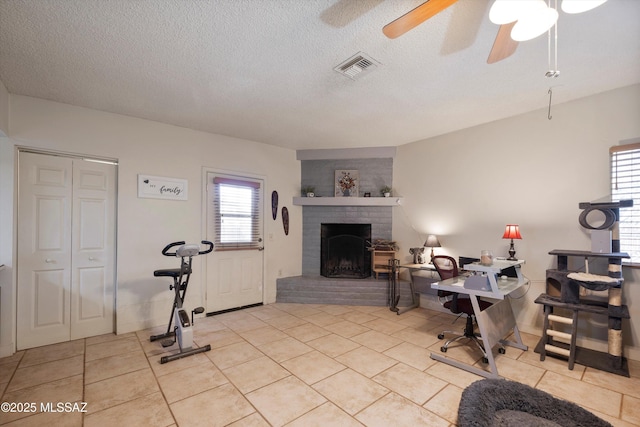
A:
[503, 46]
[415, 17]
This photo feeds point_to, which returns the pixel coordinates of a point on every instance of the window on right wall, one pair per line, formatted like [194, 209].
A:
[625, 184]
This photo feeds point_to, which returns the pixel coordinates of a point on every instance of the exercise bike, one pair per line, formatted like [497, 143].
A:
[182, 332]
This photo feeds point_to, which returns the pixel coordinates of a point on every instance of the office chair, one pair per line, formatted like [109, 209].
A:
[447, 268]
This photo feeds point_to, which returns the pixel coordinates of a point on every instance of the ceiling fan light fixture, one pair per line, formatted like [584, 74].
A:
[504, 12]
[534, 23]
[579, 6]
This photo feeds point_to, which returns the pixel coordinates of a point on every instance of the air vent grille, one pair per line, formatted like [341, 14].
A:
[357, 66]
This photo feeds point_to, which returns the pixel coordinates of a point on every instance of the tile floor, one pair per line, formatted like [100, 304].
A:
[289, 364]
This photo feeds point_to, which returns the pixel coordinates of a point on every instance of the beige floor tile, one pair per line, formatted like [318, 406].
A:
[411, 383]
[336, 309]
[14, 358]
[350, 390]
[263, 335]
[303, 310]
[160, 369]
[265, 312]
[112, 348]
[346, 329]
[421, 338]
[552, 364]
[150, 410]
[234, 354]
[325, 415]
[285, 349]
[99, 339]
[46, 372]
[453, 375]
[62, 390]
[52, 352]
[322, 319]
[376, 340]
[469, 354]
[7, 370]
[112, 366]
[253, 420]
[518, 371]
[411, 355]
[333, 345]
[190, 381]
[243, 323]
[395, 410]
[312, 367]
[254, 374]
[626, 385]
[285, 400]
[366, 361]
[445, 404]
[116, 390]
[57, 419]
[385, 326]
[286, 321]
[357, 317]
[212, 408]
[307, 332]
[631, 409]
[220, 338]
[584, 394]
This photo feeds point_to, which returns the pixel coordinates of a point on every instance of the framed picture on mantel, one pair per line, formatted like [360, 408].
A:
[347, 183]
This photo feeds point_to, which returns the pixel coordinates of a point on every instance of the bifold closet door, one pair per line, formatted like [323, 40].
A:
[65, 249]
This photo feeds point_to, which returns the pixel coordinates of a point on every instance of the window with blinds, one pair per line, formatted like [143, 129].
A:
[237, 214]
[625, 184]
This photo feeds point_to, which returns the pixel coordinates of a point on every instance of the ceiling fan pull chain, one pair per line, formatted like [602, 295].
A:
[549, 116]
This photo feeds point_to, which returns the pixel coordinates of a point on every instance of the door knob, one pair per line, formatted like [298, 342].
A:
[48, 260]
[91, 258]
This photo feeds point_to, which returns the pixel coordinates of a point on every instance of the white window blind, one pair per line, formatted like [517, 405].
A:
[625, 184]
[237, 214]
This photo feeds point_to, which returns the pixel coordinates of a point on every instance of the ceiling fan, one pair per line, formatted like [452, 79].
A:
[512, 16]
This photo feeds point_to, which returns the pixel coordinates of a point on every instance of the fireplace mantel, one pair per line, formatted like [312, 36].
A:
[347, 201]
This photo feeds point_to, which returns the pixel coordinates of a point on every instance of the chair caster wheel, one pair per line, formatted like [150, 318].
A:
[443, 349]
[485, 360]
[501, 350]
[440, 336]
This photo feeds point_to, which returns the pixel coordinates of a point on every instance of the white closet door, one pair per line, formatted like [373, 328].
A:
[44, 250]
[66, 249]
[92, 261]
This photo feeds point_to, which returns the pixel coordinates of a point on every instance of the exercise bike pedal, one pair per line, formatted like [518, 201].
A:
[168, 343]
[196, 310]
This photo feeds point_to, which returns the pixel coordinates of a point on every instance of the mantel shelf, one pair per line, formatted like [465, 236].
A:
[347, 201]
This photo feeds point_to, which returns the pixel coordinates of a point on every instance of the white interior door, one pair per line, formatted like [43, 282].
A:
[66, 228]
[93, 254]
[44, 250]
[234, 223]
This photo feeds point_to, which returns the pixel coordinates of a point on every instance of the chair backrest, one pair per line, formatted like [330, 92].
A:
[446, 266]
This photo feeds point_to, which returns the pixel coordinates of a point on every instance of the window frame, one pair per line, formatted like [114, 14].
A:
[255, 231]
[624, 163]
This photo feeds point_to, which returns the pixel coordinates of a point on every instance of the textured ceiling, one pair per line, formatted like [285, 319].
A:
[263, 69]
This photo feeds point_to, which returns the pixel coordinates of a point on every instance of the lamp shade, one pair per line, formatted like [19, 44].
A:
[537, 21]
[432, 241]
[579, 6]
[512, 231]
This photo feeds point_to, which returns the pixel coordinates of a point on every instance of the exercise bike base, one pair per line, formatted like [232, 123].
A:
[185, 353]
[153, 338]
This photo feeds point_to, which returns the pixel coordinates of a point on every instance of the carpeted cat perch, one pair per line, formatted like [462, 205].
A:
[503, 403]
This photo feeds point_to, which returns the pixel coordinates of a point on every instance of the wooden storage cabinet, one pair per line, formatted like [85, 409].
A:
[380, 262]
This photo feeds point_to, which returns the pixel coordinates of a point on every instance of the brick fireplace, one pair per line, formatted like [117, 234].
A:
[343, 250]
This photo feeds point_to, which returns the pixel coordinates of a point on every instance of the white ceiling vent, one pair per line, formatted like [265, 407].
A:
[357, 66]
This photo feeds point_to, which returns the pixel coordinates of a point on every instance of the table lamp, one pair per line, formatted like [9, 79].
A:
[432, 242]
[512, 231]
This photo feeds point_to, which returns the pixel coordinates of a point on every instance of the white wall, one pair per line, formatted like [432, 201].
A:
[4, 110]
[145, 226]
[527, 170]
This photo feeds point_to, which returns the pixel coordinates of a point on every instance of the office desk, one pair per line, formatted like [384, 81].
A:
[496, 321]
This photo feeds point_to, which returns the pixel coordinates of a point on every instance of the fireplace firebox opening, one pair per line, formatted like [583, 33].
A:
[344, 252]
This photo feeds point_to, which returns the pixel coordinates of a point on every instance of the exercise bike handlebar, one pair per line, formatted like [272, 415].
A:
[166, 250]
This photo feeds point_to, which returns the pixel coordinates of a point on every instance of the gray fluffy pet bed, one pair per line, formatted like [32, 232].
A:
[503, 403]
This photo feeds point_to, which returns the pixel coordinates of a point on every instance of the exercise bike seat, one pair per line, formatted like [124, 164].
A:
[171, 272]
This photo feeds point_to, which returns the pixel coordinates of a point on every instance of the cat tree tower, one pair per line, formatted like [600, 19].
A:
[563, 293]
